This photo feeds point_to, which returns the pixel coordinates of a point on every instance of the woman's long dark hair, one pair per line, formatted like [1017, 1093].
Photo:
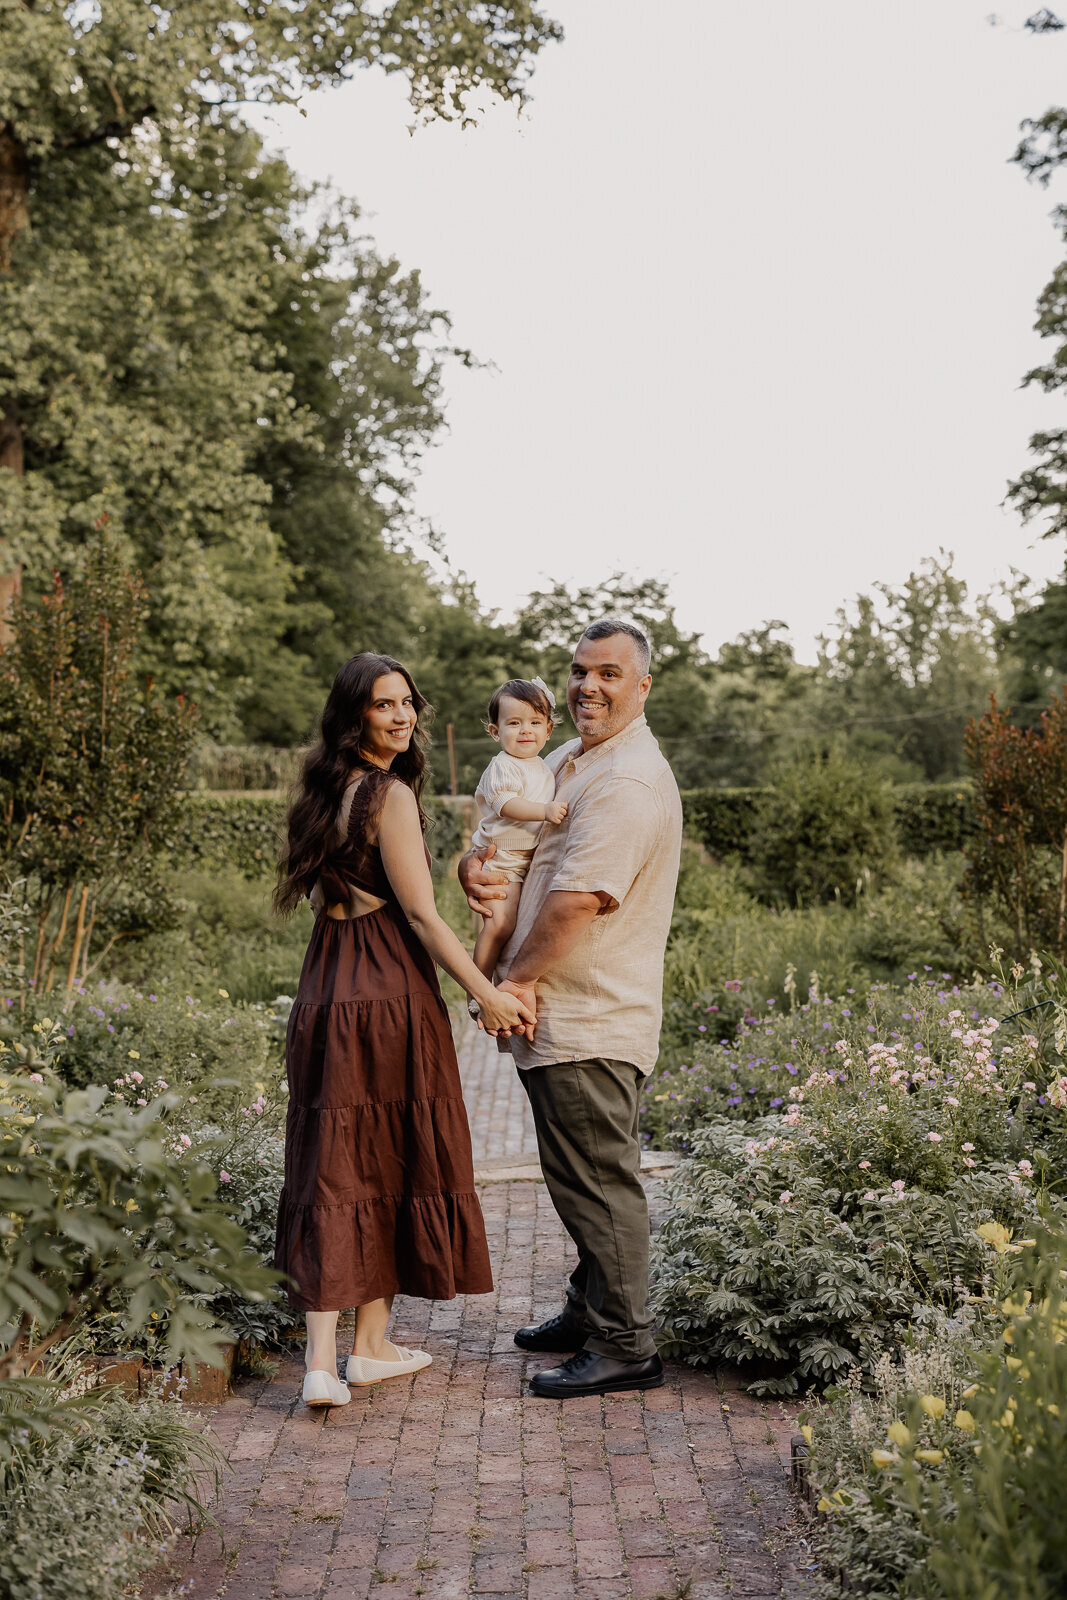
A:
[329, 766]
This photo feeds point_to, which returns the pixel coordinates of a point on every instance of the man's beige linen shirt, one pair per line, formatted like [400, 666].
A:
[622, 836]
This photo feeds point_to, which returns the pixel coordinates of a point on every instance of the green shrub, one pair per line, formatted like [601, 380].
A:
[84, 1508]
[933, 817]
[227, 1053]
[722, 819]
[803, 1242]
[752, 1073]
[97, 1212]
[822, 831]
[245, 831]
[942, 1479]
[930, 817]
[91, 759]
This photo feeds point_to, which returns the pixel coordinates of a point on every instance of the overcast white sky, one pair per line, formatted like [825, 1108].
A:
[757, 282]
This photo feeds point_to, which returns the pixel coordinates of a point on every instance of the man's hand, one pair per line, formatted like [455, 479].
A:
[480, 884]
[526, 995]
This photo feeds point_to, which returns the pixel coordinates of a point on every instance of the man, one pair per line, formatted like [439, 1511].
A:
[587, 955]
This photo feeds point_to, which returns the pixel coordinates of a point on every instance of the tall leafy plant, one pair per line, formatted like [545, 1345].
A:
[91, 759]
[1018, 858]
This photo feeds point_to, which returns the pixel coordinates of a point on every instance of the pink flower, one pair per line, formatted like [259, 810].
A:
[785, 1197]
[136, 1077]
[967, 1162]
[865, 1166]
[870, 1195]
[184, 1140]
[950, 1100]
[898, 1185]
[967, 1147]
[934, 1138]
[1026, 1168]
[224, 1177]
[35, 1077]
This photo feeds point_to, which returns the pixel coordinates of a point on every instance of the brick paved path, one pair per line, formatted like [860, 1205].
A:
[458, 1484]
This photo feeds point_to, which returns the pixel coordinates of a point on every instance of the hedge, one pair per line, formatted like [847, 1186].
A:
[929, 817]
[244, 830]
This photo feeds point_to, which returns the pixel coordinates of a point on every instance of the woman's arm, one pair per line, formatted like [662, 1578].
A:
[404, 859]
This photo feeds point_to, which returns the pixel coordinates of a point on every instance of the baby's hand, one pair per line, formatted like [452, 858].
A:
[555, 810]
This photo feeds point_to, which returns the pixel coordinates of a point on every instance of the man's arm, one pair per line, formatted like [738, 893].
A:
[560, 923]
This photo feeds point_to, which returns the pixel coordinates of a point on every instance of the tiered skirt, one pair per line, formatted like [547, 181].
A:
[379, 1192]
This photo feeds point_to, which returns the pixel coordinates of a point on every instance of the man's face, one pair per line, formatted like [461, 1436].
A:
[606, 688]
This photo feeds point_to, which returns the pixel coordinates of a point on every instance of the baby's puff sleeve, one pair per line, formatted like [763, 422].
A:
[501, 781]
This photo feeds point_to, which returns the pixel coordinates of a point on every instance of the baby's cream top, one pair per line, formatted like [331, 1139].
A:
[507, 778]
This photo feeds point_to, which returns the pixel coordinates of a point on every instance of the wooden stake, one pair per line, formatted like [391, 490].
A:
[451, 758]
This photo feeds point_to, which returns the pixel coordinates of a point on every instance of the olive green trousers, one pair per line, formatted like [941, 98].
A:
[585, 1113]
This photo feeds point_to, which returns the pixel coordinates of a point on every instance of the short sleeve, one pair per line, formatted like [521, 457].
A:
[501, 781]
[611, 833]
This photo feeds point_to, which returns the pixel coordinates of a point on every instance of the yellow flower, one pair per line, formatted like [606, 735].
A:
[131, 1205]
[807, 1433]
[933, 1405]
[1007, 1419]
[996, 1234]
[825, 1505]
[1053, 1409]
[934, 1457]
[964, 1422]
[970, 1392]
[884, 1458]
[134, 1055]
[1015, 1308]
[1009, 1337]
[224, 993]
[900, 1434]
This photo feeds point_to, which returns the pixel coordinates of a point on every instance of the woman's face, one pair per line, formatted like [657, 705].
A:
[388, 721]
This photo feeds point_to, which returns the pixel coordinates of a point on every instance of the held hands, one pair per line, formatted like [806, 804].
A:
[555, 811]
[512, 1009]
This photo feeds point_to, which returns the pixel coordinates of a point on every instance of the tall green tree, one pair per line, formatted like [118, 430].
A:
[904, 670]
[118, 181]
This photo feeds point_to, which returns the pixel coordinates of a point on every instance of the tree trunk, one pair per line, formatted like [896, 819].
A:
[1061, 926]
[14, 216]
[14, 192]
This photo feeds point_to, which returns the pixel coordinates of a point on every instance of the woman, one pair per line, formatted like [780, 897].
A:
[379, 1193]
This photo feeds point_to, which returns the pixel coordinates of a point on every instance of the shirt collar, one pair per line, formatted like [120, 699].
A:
[586, 758]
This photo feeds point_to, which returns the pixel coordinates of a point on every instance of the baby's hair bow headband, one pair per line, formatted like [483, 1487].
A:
[546, 691]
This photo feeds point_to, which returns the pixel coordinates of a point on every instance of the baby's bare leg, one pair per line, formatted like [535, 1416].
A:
[495, 932]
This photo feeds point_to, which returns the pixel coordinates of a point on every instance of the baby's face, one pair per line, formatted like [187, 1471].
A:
[522, 729]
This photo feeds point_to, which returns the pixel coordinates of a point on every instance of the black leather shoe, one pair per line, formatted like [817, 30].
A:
[558, 1333]
[588, 1373]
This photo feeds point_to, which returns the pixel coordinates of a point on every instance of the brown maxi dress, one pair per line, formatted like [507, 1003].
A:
[379, 1193]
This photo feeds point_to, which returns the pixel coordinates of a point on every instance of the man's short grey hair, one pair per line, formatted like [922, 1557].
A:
[607, 627]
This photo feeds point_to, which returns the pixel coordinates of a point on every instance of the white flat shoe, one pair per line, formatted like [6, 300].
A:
[323, 1389]
[362, 1370]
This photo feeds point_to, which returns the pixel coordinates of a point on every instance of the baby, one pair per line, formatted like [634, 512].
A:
[514, 798]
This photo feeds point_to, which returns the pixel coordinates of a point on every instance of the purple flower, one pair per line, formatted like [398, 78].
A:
[777, 1102]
